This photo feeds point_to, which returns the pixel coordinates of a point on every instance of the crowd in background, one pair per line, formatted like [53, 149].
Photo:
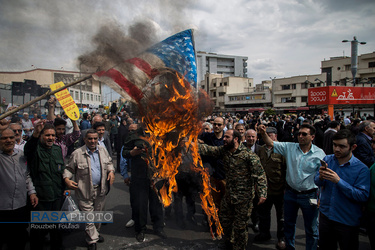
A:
[119, 135]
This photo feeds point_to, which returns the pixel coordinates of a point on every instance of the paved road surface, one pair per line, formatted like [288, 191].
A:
[117, 236]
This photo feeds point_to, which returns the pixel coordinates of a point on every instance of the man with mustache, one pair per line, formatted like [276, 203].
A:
[92, 167]
[46, 164]
[302, 161]
[242, 169]
[15, 186]
[17, 129]
[345, 187]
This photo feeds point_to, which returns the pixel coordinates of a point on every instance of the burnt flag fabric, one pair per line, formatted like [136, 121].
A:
[176, 52]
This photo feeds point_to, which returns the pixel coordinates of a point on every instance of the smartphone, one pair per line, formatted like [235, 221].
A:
[323, 163]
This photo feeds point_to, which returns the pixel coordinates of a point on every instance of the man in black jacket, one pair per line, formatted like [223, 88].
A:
[364, 138]
[142, 195]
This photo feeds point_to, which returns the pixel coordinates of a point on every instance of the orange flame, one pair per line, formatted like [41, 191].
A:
[170, 116]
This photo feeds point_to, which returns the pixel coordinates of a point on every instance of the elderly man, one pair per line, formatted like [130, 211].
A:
[364, 150]
[27, 125]
[92, 167]
[15, 186]
[243, 170]
[17, 129]
[95, 119]
[302, 161]
[251, 141]
[46, 164]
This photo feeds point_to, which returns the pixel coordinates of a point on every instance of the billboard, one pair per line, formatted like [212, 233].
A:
[341, 95]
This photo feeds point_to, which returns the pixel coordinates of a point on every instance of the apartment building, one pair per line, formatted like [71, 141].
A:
[225, 65]
[256, 99]
[217, 86]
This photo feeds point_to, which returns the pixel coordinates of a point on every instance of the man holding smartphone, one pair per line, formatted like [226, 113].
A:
[345, 186]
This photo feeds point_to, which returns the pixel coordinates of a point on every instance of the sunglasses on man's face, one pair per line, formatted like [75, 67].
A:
[303, 134]
[218, 124]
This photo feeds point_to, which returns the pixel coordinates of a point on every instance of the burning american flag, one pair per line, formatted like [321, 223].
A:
[163, 82]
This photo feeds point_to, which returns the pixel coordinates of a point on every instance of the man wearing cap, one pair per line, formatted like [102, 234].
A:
[275, 167]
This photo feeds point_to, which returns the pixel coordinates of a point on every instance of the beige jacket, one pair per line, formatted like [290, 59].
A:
[79, 166]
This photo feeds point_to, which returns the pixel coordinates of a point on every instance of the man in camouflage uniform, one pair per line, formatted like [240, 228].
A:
[242, 168]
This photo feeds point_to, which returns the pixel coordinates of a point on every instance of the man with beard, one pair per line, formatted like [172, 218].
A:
[102, 141]
[62, 139]
[240, 127]
[302, 161]
[345, 187]
[242, 169]
[46, 164]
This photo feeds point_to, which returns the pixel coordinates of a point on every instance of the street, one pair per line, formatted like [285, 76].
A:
[117, 236]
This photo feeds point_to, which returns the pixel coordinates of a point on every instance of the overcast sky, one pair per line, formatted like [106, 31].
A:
[281, 38]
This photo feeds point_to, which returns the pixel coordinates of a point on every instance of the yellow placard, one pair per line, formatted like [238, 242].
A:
[66, 101]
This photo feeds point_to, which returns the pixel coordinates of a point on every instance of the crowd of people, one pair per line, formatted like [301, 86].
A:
[323, 167]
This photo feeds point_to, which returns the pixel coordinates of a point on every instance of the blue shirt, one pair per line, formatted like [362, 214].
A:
[123, 165]
[300, 167]
[85, 125]
[96, 173]
[342, 202]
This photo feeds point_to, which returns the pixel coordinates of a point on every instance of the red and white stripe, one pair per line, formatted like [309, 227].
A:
[130, 77]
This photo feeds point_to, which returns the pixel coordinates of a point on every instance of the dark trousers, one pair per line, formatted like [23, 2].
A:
[332, 232]
[370, 227]
[264, 211]
[144, 199]
[14, 235]
[37, 235]
[188, 188]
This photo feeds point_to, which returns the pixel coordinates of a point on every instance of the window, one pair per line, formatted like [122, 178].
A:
[371, 64]
[288, 99]
[99, 98]
[303, 98]
[304, 85]
[294, 86]
[221, 84]
[76, 95]
[214, 93]
[92, 97]
[215, 84]
[347, 67]
[225, 83]
[221, 93]
[284, 87]
[87, 96]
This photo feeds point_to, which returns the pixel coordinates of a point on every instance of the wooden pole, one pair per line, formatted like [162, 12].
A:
[48, 93]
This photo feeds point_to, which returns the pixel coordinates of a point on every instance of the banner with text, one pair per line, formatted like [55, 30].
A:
[66, 101]
[341, 95]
